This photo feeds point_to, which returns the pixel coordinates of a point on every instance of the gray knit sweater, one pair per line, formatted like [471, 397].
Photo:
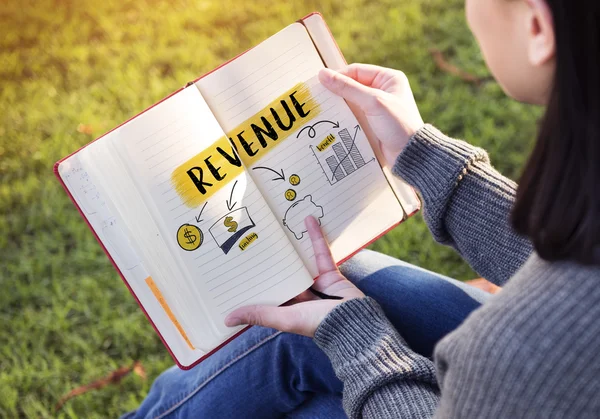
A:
[533, 350]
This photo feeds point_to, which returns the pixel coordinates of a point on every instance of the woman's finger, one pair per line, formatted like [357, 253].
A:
[256, 315]
[323, 257]
[367, 74]
[346, 87]
[293, 319]
[376, 77]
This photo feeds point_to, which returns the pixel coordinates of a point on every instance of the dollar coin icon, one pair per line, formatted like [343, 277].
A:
[189, 237]
[290, 194]
[294, 180]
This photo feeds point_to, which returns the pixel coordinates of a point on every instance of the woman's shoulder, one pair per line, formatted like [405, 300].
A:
[536, 341]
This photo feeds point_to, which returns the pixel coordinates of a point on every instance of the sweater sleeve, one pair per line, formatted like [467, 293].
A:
[467, 203]
[383, 378]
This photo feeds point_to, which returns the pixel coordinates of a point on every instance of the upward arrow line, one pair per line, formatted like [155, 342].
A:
[356, 129]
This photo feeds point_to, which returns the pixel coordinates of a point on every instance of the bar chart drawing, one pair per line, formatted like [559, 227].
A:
[341, 159]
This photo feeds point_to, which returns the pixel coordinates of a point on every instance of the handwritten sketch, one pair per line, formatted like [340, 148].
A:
[229, 202]
[118, 245]
[83, 189]
[230, 228]
[298, 211]
[290, 194]
[189, 237]
[312, 132]
[279, 175]
[294, 180]
[339, 158]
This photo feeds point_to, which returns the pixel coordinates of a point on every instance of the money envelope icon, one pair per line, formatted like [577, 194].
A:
[230, 228]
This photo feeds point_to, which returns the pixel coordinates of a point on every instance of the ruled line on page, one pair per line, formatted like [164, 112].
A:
[278, 88]
[165, 159]
[161, 140]
[257, 70]
[218, 275]
[248, 268]
[156, 132]
[262, 291]
[270, 93]
[265, 76]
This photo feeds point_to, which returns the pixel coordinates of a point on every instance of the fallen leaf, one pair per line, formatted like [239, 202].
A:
[138, 369]
[85, 129]
[112, 378]
[450, 68]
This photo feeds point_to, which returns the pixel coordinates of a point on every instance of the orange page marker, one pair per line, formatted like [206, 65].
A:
[167, 309]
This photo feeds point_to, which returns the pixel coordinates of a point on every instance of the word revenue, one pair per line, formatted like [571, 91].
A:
[204, 174]
[266, 128]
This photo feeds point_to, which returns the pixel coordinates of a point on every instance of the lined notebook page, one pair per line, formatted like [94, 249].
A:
[329, 170]
[236, 91]
[223, 241]
[340, 182]
[108, 226]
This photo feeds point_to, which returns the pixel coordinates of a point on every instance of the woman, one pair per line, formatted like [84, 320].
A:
[533, 350]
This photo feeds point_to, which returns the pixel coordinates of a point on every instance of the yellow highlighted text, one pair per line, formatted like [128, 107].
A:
[245, 242]
[201, 176]
[323, 145]
[207, 172]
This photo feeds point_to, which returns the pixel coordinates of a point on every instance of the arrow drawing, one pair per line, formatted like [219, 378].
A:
[230, 206]
[280, 176]
[312, 132]
[198, 219]
[356, 129]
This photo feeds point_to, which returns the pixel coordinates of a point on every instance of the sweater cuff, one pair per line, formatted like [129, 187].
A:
[367, 353]
[434, 163]
[351, 328]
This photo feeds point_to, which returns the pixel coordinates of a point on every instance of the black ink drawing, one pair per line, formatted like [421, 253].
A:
[198, 219]
[228, 203]
[312, 132]
[189, 237]
[294, 180]
[343, 158]
[290, 194]
[230, 228]
[298, 211]
[280, 176]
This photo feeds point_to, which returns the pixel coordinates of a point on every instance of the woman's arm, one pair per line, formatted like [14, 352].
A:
[467, 203]
[382, 376]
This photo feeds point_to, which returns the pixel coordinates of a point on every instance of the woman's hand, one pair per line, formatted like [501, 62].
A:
[303, 314]
[385, 97]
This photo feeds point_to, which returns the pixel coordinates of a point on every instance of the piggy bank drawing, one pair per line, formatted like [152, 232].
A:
[295, 215]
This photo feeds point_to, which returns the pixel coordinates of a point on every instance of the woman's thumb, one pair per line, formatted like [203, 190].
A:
[255, 315]
[346, 87]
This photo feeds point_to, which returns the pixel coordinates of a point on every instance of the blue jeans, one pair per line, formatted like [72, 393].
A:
[265, 373]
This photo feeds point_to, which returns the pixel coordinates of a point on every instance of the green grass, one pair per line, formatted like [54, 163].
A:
[65, 316]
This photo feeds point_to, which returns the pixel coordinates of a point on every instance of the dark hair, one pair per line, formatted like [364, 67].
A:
[558, 199]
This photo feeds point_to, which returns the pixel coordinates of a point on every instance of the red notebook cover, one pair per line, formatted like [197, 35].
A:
[57, 174]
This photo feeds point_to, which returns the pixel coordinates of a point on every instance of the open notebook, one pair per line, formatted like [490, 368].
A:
[200, 200]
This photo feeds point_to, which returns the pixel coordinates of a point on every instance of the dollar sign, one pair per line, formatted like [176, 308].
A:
[191, 238]
[231, 224]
